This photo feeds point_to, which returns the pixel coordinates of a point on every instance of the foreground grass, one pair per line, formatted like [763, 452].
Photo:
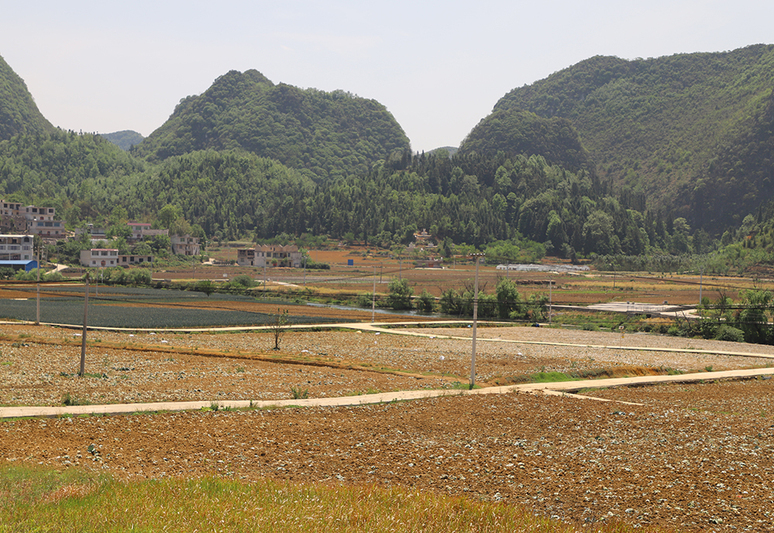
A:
[36, 499]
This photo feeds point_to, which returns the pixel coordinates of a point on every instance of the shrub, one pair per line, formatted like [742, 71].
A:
[364, 300]
[138, 276]
[399, 294]
[244, 280]
[508, 299]
[298, 393]
[450, 302]
[729, 333]
[425, 302]
[205, 286]
[53, 276]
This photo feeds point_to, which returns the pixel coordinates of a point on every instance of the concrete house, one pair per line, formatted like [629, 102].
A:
[185, 245]
[270, 255]
[32, 219]
[99, 257]
[16, 248]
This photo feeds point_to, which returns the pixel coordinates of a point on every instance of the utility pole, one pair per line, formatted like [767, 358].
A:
[550, 299]
[37, 298]
[373, 300]
[85, 321]
[701, 279]
[478, 256]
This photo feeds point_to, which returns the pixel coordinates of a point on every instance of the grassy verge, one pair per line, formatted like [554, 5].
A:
[35, 499]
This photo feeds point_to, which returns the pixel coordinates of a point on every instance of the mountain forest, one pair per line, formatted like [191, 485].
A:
[654, 156]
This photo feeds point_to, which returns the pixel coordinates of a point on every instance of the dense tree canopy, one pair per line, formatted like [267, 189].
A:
[18, 112]
[692, 132]
[330, 134]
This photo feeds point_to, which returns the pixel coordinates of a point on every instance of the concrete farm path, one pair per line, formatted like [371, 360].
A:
[562, 388]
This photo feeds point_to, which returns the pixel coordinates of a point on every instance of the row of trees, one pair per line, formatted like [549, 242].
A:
[505, 303]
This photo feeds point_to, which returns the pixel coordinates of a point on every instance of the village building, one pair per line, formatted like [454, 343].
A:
[31, 219]
[16, 247]
[142, 231]
[99, 257]
[185, 245]
[109, 257]
[263, 255]
[127, 260]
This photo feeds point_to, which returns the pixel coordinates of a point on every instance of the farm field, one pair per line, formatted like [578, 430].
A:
[154, 308]
[571, 289]
[689, 457]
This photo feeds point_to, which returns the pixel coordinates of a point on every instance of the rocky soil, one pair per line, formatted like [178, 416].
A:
[696, 457]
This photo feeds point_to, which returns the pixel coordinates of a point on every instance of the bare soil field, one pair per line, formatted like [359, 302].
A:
[576, 288]
[693, 457]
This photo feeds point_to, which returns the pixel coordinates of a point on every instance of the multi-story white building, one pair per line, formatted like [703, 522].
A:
[270, 255]
[185, 245]
[48, 229]
[109, 257]
[16, 248]
[32, 219]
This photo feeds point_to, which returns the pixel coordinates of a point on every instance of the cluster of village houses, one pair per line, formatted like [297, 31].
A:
[19, 224]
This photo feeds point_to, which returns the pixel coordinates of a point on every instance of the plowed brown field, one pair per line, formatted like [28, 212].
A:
[694, 457]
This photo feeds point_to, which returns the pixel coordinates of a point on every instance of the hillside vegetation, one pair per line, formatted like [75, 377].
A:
[606, 157]
[18, 112]
[517, 132]
[329, 134]
[692, 133]
[123, 139]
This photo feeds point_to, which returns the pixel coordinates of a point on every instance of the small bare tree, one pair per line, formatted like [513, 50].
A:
[278, 327]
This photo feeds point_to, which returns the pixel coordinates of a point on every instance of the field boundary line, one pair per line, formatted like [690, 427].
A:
[554, 388]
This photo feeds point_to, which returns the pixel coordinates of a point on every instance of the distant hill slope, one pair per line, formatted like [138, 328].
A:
[328, 133]
[691, 133]
[18, 112]
[63, 164]
[515, 132]
[123, 139]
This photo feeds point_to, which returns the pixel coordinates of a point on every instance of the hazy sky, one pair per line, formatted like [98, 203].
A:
[438, 67]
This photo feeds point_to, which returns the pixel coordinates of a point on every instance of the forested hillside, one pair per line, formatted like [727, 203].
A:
[465, 198]
[692, 133]
[61, 169]
[606, 157]
[329, 134]
[516, 132]
[123, 139]
[18, 112]
[472, 199]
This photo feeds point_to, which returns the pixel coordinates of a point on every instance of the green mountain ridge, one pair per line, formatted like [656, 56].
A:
[329, 134]
[18, 112]
[601, 158]
[691, 133]
[517, 132]
[124, 139]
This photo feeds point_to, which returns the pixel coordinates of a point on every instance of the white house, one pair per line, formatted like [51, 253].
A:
[270, 255]
[185, 245]
[16, 247]
[99, 257]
